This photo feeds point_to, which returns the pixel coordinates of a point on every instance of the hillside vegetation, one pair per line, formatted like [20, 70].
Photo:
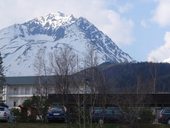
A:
[150, 77]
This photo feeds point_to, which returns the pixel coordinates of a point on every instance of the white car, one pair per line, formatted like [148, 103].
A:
[4, 114]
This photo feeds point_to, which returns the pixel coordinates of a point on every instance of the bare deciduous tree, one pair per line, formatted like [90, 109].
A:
[40, 66]
[91, 81]
[66, 66]
[134, 101]
[63, 63]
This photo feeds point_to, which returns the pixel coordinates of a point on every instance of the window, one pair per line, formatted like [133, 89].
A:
[15, 91]
[27, 90]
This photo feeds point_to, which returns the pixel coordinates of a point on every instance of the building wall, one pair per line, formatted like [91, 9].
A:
[15, 95]
[4, 96]
[1, 94]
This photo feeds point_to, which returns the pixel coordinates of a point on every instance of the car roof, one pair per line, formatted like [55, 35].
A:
[2, 108]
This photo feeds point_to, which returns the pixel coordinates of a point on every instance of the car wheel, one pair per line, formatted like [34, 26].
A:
[168, 122]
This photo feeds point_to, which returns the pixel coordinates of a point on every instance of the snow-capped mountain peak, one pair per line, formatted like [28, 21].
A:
[20, 43]
[53, 20]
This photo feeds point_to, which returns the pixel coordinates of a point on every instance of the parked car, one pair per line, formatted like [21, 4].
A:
[56, 114]
[164, 116]
[109, 114]
[5, 114]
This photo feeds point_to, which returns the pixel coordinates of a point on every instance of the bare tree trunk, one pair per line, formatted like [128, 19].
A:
[42, 85]
[63, 63]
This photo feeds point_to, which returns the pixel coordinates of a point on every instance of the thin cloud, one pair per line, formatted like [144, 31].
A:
[144, 23]
[161, 13]
[125, 8]
[109, 21]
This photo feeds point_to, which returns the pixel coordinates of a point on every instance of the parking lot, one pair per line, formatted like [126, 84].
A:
[112, 117]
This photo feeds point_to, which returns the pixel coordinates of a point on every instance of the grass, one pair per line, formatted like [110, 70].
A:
[50, 125]
[60, 125]
[32, 125]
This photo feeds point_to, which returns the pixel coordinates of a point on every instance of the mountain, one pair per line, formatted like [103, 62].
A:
[127, 77]
[20, 43]
[141, 77]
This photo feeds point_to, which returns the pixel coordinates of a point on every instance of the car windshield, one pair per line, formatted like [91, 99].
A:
[56, 110]
[98, 111]
[116, 110]
[167, 110]
[108, 111]
[113, 108]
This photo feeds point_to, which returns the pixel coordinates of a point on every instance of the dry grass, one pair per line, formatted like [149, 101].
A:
[32, 125]
[60, 125]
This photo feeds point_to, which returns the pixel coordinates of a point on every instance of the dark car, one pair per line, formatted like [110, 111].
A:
[109, 114]
[164, 116]
[56, 114]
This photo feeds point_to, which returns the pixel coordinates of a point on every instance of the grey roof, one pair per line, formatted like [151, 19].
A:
[28, 80]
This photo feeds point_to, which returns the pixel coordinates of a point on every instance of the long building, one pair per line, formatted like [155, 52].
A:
[18, 89]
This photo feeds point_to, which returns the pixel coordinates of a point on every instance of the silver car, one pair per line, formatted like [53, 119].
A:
[4, 114]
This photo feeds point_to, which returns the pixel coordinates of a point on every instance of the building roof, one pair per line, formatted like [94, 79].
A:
[28, 80]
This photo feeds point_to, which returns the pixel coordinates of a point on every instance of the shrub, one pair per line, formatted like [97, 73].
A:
[146, 115]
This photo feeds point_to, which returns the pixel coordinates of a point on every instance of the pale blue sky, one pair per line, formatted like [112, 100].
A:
[148, 35]
[139, 27]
